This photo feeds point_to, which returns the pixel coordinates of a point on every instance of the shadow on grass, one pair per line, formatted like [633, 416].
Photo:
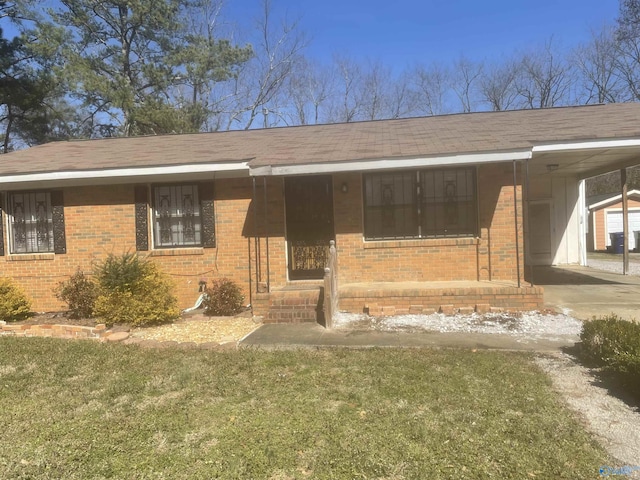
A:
[620, 385]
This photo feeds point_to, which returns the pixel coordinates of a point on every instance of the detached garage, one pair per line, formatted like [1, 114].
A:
[605, 218]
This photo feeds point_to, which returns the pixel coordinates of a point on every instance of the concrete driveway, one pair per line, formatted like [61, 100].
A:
[585, 292]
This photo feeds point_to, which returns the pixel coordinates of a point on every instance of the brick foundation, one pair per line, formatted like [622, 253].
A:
[389, 300]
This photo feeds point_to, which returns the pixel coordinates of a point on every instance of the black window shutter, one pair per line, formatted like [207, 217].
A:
[1, 230]
[142, 227]
[57, 214]
[207, 213]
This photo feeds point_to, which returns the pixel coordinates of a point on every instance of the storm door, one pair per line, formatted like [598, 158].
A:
[309, 217]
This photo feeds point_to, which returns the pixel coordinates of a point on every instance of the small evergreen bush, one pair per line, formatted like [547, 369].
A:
[613, 343]
[14, 304]
[133, 290]
[79, 292]
[224, 298]
[120, 272]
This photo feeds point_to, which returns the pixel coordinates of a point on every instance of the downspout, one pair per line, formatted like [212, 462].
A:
[515, 219]
[256, 238]
[253, 200]
[527, 224]
[266, 233]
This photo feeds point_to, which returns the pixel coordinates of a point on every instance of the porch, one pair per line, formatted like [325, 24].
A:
[297, 303]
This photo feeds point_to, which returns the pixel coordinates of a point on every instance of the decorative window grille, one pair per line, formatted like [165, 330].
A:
[31, 222]
[177, 216]
[420, 204]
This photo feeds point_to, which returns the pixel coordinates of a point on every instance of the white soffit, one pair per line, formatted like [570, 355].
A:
[392, 163]
[121, 173]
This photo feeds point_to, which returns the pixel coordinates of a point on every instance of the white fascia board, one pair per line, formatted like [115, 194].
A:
[124, 172]
[587, 145]
[392, 163]
[614, 199]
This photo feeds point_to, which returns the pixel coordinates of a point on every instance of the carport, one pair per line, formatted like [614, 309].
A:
[554, 198]
[585, 293]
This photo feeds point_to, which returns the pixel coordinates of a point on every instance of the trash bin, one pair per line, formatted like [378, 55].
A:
[636, 233]
[617, 242]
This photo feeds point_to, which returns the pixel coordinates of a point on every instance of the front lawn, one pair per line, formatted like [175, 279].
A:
[78, 409]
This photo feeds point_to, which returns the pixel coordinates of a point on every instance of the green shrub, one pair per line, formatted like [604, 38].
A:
[14, 304]
[613, 343]
[120, 272]
[223, 298]
[79, 292]
[132, 290]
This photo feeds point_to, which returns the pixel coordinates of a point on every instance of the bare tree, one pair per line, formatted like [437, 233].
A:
[464, 81]
[400, 99]
[346, 106]
[308, 89]
[545, 78]
[628, 38]
[498, 85]
[376, 91]
[430, 86]
[261, 80]
[597, 62]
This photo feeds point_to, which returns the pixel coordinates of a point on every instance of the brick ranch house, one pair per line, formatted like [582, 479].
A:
[436, 213]
[605, 217]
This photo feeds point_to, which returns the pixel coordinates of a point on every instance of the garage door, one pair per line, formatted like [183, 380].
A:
[614, 224]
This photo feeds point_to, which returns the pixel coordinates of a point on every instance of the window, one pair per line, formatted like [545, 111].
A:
[177, 216]
[31, 222]
[420, 204]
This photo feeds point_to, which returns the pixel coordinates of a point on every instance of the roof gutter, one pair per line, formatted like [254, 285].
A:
[587, 145]
[391, 163]
[231, 168]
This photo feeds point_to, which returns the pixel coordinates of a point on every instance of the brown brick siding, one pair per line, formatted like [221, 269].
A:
[101, 219]
[491, 256]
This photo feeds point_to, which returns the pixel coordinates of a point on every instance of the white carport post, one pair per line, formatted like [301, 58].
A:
[583, 221]
[625, 222]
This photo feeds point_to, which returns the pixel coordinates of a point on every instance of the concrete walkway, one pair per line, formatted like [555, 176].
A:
[584, 292]
[313, 335]
[581, 292]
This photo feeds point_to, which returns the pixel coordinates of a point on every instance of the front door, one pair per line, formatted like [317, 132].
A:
[309, 217]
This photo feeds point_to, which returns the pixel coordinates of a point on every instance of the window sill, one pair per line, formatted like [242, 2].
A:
[175, 252]
[422, 242]
[26, 257]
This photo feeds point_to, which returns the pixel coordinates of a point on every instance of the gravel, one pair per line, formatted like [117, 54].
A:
[529, 324]
[613, 423]
[613, 266]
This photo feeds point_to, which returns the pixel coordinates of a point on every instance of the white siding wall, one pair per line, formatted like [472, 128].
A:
[563, 194]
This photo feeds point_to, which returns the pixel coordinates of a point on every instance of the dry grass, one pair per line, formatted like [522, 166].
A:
[79, 410]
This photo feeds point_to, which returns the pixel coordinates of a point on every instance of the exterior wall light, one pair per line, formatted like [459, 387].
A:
[344, 187]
